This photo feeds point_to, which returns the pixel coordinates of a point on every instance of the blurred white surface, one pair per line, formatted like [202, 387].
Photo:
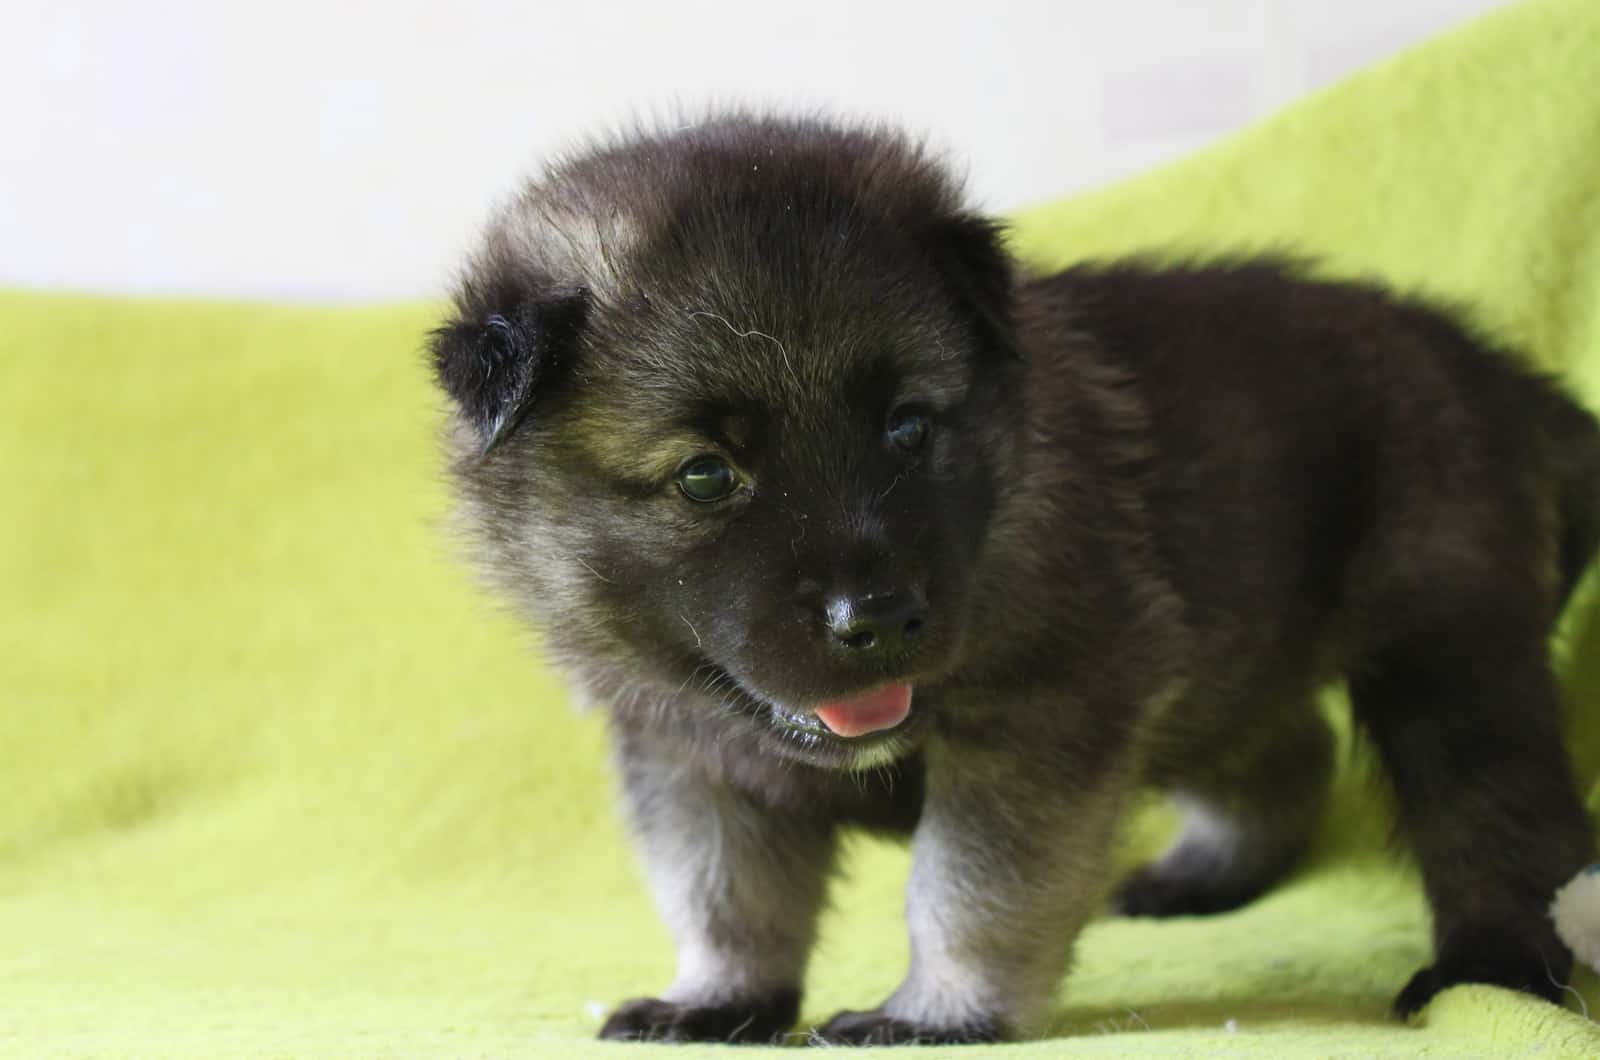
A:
[349, 150]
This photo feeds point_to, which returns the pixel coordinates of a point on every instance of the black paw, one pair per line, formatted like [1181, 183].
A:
[1152, 892]
[1519, 967]
[875, 1028]
[647, 1019]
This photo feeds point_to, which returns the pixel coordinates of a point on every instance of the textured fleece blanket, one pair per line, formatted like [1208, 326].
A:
[277, 782]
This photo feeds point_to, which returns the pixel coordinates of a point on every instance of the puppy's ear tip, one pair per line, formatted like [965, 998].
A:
[969, 249]
[491, 363]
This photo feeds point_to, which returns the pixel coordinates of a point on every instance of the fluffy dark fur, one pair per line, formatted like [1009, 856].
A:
[1154, 510]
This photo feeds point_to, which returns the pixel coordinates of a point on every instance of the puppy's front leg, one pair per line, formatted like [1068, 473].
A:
[1009, 861]
[739, 884]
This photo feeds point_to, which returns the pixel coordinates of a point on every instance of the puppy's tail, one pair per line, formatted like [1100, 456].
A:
[1574, 437]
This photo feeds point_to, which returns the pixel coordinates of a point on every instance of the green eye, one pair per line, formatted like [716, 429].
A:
[708, 478]
[907, 430]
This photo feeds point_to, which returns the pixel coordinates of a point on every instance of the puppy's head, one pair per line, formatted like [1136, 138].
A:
[733, 405]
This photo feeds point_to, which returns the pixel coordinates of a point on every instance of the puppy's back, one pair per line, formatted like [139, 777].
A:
[1314, 437]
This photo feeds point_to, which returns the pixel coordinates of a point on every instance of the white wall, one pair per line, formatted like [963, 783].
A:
[344, 150]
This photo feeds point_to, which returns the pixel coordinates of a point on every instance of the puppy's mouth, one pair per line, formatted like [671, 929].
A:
[860, 732]
[877, 711]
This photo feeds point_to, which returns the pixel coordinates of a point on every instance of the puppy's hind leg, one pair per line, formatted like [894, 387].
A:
[1249, 813]
[1465, 714]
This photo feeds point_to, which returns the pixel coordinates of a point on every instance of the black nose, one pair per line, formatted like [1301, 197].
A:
[881, 623]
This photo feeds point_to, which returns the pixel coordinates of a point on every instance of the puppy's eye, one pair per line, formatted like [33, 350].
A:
[907, 430]
[708, 478]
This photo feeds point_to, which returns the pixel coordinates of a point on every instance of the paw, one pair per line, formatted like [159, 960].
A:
[876, 1028]
[648, 1019]
[1150, 891]
[1518, 967]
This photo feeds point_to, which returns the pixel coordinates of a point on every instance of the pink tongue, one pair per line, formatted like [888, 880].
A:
[873, 712]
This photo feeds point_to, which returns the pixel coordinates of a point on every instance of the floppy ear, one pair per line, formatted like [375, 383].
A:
[969, 251]
[491, 363]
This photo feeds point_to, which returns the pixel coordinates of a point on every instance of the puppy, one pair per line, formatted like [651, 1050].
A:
[848, 523]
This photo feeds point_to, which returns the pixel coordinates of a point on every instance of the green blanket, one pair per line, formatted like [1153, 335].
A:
[279, 782]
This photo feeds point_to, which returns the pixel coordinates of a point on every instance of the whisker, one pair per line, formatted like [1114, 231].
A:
[1568, 987]
[746, 334]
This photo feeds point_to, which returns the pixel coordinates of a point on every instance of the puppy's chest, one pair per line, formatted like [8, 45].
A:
[887, 800]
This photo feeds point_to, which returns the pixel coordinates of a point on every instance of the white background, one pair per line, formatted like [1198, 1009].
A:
[315, 149]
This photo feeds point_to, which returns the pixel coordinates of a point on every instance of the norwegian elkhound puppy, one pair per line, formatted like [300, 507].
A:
[849, 523]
